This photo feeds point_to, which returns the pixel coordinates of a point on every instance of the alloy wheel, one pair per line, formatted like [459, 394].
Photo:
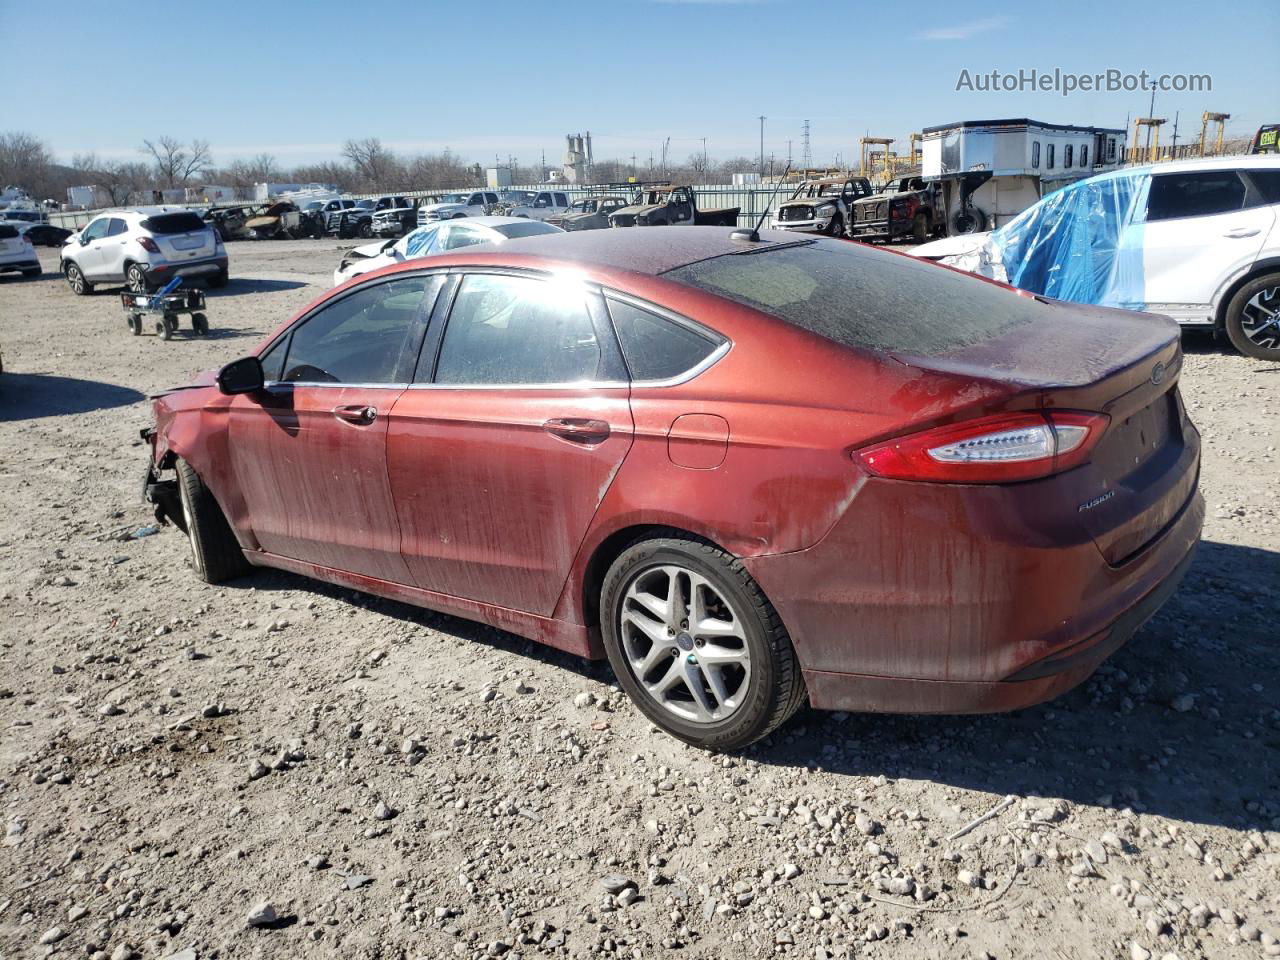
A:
[137, 280]
[197, 560]
[1260, 319]
[76, 278]
[684, 643]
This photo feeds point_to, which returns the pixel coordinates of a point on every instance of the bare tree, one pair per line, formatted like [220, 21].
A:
[25, 161]
[120, 181]
[376, 166]
[175, 162]
[245, 173]
[340, 174]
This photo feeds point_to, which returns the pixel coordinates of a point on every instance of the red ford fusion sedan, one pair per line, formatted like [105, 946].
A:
[749, 471]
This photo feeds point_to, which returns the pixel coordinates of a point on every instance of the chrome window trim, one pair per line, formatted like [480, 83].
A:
[333, 385]
[568, 385]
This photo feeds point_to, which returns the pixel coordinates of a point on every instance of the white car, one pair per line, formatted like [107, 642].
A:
[1196, 240]
[541, 205]
[144, 249]
[436, 238]
[16, 252]
[478, 203]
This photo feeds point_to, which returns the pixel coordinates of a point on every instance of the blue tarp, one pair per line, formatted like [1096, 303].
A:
[1082, 243]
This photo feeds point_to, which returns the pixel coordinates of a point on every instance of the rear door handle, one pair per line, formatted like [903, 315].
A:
[358, 414]
[1239, 233]
[577, 430]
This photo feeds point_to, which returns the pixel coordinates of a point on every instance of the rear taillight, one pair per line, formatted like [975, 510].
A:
[1000, 449]
[146, 243]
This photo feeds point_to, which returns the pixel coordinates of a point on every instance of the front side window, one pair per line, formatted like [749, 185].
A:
[361, 338]
[421, 242]
[561, 200]
[1175, 195]
[518, 330]
[97, 229]
[460, 236]
[657, 348]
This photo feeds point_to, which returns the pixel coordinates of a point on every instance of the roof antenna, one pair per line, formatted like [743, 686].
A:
[753, 235]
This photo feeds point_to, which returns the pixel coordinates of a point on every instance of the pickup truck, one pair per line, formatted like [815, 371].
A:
[588, 213]
[674, 206]
[478, 203]
[909, 207]
[395, 217]
[821, 206]
[546, 203]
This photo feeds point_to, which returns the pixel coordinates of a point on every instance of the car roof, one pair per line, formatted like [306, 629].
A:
[489, 221]
[1237, 162]
[644, 250]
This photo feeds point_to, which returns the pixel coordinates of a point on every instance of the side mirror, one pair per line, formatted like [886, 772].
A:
[241, 376]
[84, 241]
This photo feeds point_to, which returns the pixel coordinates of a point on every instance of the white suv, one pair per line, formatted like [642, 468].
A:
[478, 203]
[1196, 240]
[144, 249]
[16, 251]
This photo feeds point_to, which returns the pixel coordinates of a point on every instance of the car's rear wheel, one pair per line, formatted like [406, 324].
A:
[135, 278]
[215, 553]
[1253, 318]
[76, 281]
[920, 228]
[697, 645]
[969, 220]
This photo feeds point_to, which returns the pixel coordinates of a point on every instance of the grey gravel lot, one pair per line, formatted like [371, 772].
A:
[276, 767]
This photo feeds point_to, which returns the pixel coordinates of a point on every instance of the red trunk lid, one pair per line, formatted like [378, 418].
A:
[1124, 364]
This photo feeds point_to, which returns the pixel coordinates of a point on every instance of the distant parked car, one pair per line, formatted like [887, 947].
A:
[144, 248]
[394, 216]
[545, 203]
[434, 238]
[283, 220]
[16, 252]
[821, 206]
[588, 213]
[41, 234]
[1196, 240]
[478, 203]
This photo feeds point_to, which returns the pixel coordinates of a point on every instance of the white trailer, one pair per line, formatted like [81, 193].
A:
[986, 172]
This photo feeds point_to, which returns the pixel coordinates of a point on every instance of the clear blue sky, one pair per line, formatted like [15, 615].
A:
[487, 77]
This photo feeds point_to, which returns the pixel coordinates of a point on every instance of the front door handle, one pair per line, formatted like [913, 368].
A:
[358, 414]
[577, 430]
[1239, 233]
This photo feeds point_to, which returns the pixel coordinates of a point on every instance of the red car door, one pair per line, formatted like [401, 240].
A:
[499, 460]
[309, 455]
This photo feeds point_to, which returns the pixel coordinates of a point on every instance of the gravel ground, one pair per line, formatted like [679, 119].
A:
[276, 767]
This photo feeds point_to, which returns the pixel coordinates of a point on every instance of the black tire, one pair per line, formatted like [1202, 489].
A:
[836, 227]
[774, 688]
[135, 324]
[364, 230]
[920, 227]
[463, 216]
[973, 220]
[1246, 321]
[76, 281]
[135, 279]
[199, 324]
[215, 554]
[218, 280]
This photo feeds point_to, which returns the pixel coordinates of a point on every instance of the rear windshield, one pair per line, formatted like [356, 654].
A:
[163, 223]
[864, 298]
[7, 232]
[525, 228]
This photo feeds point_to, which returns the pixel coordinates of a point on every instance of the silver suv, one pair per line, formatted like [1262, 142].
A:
[144, 249]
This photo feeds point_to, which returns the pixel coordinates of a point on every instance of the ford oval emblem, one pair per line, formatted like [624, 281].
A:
[1157, 373]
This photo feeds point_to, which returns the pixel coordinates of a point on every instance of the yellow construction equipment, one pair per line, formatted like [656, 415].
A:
[867, 147]
[1153, 124]
[1220, 119]
[916, 140]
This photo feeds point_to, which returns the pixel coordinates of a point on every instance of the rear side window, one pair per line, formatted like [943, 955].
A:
[517, 330]
[657, 348]
[163, 223]
[119, 226]
[1175, 195]
[7, 232]
[865, 298]
[1267, 183]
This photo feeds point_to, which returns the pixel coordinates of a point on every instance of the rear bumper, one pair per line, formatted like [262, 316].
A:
[16, 265]
[923, 599]
[187, 268]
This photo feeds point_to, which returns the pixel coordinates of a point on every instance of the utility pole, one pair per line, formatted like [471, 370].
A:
[762, 119]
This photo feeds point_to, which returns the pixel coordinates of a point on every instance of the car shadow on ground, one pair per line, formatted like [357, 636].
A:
[239, 286]
[1182, 722]
[30, 396]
